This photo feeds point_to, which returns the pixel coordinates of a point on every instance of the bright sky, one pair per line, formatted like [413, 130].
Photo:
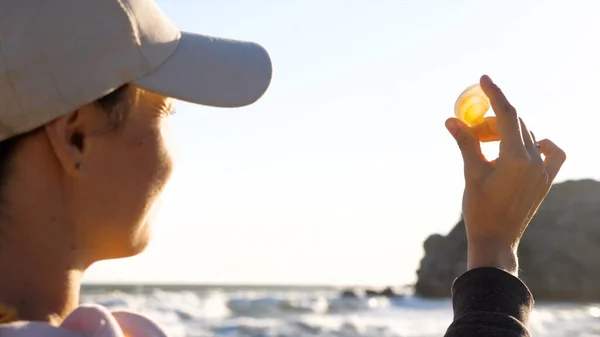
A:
[344, 167]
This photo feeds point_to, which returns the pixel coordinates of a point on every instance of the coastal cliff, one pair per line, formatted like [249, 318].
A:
[559, 254]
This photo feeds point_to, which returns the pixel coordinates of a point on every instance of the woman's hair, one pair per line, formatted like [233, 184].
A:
[116, 105]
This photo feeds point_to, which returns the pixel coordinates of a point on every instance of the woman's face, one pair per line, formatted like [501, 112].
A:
[122, 176]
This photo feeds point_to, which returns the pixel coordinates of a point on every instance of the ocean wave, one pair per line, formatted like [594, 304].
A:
[265, 313]
[269, 306]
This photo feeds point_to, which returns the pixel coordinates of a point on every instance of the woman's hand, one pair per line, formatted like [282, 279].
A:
[502, 196]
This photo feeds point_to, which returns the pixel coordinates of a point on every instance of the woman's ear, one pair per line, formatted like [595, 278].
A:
[68, 136]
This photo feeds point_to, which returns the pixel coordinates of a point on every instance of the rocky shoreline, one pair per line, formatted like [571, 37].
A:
[559, 253]
[368, 293]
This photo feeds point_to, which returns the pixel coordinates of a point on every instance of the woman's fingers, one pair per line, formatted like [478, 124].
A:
[467, 143]
[487, 131]
[534, 154]
[535, 143]
[508, 122]
[555, 157]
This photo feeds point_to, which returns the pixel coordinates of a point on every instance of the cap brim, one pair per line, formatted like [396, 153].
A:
[212, 71]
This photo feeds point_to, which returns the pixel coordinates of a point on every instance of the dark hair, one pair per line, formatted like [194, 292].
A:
[115, 105]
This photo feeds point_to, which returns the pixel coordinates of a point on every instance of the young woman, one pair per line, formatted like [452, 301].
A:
[86, 90]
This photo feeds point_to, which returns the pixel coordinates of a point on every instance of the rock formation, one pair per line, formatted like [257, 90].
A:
[559, 254]
[387, 292]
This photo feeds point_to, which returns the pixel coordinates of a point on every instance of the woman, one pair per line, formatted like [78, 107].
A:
[86, 90]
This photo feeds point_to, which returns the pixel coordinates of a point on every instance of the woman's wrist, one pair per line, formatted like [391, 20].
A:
[488, 253]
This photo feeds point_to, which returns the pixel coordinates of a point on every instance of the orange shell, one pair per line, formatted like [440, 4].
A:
[472, 105]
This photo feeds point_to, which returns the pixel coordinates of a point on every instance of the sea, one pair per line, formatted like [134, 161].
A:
[288, 311]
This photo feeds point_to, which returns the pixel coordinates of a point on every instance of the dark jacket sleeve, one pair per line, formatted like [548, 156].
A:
[490, 302]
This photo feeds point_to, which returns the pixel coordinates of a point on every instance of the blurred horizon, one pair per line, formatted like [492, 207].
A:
[94, 284]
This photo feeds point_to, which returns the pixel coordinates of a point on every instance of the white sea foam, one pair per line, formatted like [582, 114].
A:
[240, 312]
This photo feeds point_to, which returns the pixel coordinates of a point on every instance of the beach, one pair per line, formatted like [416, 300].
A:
[300, 311]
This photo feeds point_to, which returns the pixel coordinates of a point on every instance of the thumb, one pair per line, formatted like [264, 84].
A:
[467, 141]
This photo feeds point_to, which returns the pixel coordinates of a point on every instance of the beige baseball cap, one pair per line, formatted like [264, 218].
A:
[58, 55]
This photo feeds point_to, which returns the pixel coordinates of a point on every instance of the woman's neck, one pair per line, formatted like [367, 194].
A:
[40, 263]
[38, 279]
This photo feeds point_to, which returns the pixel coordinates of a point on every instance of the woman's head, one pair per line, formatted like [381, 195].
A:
[80, 171]
[84, 89]
[87, 181]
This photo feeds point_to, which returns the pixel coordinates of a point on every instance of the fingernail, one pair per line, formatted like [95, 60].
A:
[451, 126]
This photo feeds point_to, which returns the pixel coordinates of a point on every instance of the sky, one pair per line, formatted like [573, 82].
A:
[343, 168]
